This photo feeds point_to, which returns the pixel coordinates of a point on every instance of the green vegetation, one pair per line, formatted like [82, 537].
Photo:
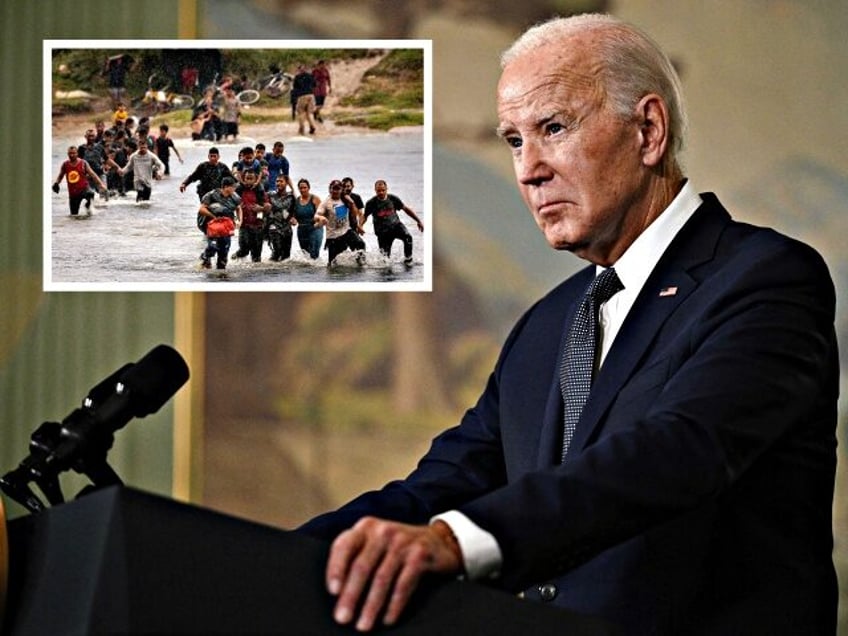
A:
[391, 93]
[381, 119]
[85, 66]
[396, 82]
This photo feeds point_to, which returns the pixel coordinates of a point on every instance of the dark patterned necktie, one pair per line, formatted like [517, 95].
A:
[579, 354]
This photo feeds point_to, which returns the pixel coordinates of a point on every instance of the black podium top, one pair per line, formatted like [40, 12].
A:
[120, 561]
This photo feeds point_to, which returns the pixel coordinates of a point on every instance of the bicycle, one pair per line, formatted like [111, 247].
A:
[245, 97]
[274, 85]
[157, 99]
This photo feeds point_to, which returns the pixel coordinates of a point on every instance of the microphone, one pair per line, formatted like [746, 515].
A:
[134, 390]
[83, 438]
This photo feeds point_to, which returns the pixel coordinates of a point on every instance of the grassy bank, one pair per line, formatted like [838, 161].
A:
[390, 94]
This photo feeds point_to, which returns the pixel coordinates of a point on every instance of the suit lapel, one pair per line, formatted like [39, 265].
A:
[667, 287]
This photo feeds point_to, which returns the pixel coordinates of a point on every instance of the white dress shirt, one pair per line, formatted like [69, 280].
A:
[481, 553]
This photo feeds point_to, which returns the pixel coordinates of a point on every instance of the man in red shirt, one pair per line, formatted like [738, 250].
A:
[76, 172]
[322, 87]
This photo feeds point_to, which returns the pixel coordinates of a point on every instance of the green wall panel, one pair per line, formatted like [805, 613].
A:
[54, 347]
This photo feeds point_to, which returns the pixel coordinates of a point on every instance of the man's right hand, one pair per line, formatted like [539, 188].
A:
[380, 563]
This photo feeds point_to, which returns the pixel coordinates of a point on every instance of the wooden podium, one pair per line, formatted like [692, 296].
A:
[120, 561]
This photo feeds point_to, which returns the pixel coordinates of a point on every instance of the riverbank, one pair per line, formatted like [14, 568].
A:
[280, 127]
[268, 120]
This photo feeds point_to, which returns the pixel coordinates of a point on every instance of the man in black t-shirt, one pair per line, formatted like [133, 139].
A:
[209, 174]
[384, 208]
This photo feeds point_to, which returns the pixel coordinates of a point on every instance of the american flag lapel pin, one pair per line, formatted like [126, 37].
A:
[668, 291]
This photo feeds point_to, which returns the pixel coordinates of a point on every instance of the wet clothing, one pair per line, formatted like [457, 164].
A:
[357, 200]
[95, 155]
[337, 213]
[252, 230]
[340, 232]
[309, 237]
[252, 200]
[254, 165]
[144, 167]
[384, 211]
[162, 146]
[219, 205]
[350, 240]
[277, 165]
[387, 223]
[395, 232]
[76, 177]
[209, 176]
[278, 229]
[78, 186]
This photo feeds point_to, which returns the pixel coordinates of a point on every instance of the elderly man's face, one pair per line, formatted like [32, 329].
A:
[578, 165]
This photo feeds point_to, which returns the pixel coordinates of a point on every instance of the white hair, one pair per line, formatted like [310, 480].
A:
[630, 65]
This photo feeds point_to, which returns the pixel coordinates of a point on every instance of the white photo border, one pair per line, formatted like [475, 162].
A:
[424, 285]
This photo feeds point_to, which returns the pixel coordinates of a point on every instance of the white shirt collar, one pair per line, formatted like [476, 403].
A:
[640, 259]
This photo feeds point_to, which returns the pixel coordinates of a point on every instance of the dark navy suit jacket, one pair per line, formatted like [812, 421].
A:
[696, 497]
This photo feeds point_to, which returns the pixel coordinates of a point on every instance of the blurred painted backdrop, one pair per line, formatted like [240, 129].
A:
[253, 435]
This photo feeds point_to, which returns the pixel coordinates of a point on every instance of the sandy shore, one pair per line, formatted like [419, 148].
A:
[346, 75]
[74, 126]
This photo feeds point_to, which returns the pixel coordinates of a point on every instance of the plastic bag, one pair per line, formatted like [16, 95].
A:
[220, 227]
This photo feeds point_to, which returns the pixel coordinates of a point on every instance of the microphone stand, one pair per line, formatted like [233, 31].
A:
[78, 444]
[82, 440]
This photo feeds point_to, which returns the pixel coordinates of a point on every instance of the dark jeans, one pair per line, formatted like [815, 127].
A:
[219, 246]
[310, 238]
[114, 181]
[280, 240]
[250, 242]
[76, 201]
[142, 192]
[349, 240]
[386, 237]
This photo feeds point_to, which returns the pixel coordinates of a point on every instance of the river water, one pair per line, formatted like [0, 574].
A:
[126, 246]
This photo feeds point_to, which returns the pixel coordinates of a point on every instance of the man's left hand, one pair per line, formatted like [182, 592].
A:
[382, 562]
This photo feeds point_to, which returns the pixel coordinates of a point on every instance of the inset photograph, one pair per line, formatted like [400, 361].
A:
[179, 166]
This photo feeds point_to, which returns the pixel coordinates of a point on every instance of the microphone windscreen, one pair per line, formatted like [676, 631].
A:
[154, 379]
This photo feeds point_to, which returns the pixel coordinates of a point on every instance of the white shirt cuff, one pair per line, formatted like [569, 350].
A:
[481, 554]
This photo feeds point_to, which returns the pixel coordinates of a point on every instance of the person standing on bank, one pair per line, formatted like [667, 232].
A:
[678, 478]
[323, 87]
[302, 92]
